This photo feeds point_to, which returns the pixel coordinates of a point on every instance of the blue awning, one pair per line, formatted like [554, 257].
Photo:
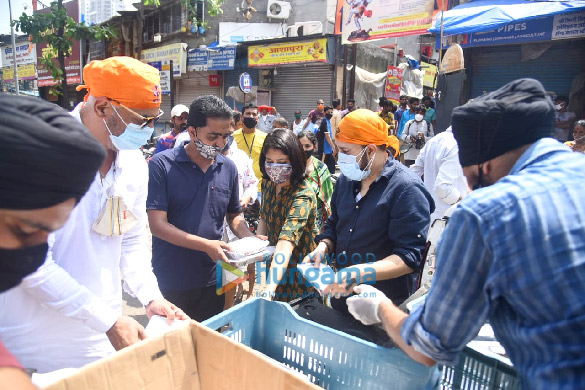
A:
[486, 15]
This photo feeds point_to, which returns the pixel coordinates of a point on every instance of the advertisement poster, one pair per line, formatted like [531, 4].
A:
[219, 58]
[25, 54]
[25, 72]
[72, 60]
[365, 20]
[393, 82]
[288, 53]
[429, 78]
[562, 26]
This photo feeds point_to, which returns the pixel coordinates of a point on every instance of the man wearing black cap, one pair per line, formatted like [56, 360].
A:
[44, 175]
[513, 252]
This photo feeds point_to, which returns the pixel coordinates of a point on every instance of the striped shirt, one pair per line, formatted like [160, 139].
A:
[166, 141]
[514, 254]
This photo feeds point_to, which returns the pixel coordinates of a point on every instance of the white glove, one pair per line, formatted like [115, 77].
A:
[364, 305]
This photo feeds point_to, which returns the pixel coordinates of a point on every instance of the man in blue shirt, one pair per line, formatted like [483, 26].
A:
[513, 252]
[190, 191]
[407, 115]
[380, 212]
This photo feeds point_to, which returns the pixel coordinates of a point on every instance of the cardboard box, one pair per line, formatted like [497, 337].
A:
[191, 358]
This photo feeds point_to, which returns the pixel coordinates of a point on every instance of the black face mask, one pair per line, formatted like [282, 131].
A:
[309, 153]
[250, 123]
[479, 183]
[15, 264]
[328, 116]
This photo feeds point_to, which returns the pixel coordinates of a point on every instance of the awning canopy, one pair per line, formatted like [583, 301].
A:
[486, 15]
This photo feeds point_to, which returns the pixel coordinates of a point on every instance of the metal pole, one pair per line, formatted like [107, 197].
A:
[13, 49]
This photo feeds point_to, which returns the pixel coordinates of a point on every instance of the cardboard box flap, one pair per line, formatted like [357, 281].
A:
[225, 364]
[167, 362]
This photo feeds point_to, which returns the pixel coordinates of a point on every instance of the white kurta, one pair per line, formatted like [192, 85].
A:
[438, 161]
[57, 317]
[412, 128]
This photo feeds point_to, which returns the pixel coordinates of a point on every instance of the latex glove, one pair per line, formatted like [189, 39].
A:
[364, 305]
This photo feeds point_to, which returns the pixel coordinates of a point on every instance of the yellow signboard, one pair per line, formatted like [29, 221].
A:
[288, 53]
[25, 72]
[429, 79]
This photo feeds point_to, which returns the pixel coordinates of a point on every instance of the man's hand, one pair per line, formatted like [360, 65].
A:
[317, 256]
[164, 308]
[215, 250]
[125, 332]
[364, 306]
[338, 290]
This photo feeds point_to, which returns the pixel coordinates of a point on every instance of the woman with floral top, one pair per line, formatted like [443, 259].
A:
[318, 177]
[288, 213]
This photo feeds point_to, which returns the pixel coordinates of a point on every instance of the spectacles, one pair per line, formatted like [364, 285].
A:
[146, 120]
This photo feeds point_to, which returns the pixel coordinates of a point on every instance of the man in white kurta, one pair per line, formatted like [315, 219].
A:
[438, 163]
[69, 312]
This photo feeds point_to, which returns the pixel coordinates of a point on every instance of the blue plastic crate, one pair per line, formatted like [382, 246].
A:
[476, 371]
[328, 358]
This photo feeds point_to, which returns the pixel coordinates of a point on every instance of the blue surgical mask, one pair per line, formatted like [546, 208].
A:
[133, 136]
[351, 168]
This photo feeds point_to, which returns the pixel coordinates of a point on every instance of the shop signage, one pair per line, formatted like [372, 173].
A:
[25, 72]
[176, 52]
[72, 60]
[25, 54]
[555, 27]
[164, 68]
[363, 21]
[219, 58]
[393, 82]
[245, 82]
[288, 53]
[214, 80]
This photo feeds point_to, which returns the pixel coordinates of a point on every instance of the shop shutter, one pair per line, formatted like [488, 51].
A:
[492, 67]
[165, 105]
[300, 88]
[195, 84]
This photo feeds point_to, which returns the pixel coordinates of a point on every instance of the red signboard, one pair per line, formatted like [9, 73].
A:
[393, 82]
[214, 80]
[72, 61]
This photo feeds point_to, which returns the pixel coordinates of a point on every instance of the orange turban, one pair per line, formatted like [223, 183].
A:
[125, 80]
[365, 127]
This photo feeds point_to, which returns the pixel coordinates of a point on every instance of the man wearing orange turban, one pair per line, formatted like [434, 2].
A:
[380, 213]
[71, 307]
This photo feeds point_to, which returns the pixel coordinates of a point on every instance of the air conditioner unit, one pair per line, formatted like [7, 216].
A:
[304, 28]
[278, 9]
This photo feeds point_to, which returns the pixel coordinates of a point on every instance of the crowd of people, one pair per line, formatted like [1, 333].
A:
[77, 198]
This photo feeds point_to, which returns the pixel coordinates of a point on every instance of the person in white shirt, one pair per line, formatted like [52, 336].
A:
[416, 133]
[266, 118]
[438, 163]
[69, 312]
[297, 125]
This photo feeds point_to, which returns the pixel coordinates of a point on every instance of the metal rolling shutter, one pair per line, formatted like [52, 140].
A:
[165, 105]
[195, 84]
[493, 67]
[300, 88]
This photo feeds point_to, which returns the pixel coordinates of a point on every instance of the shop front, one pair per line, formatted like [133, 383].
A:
[292, 74]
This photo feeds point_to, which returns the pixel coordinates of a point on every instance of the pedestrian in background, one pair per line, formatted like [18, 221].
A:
[578, 145]
[179, 115]
[318, 177]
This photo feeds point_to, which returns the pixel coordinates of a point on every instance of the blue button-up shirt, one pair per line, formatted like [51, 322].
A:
[406, 116]
[392, 218]
[514, 253]
[196, 203]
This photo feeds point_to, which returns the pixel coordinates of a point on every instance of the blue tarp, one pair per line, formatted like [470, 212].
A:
[486, 15]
